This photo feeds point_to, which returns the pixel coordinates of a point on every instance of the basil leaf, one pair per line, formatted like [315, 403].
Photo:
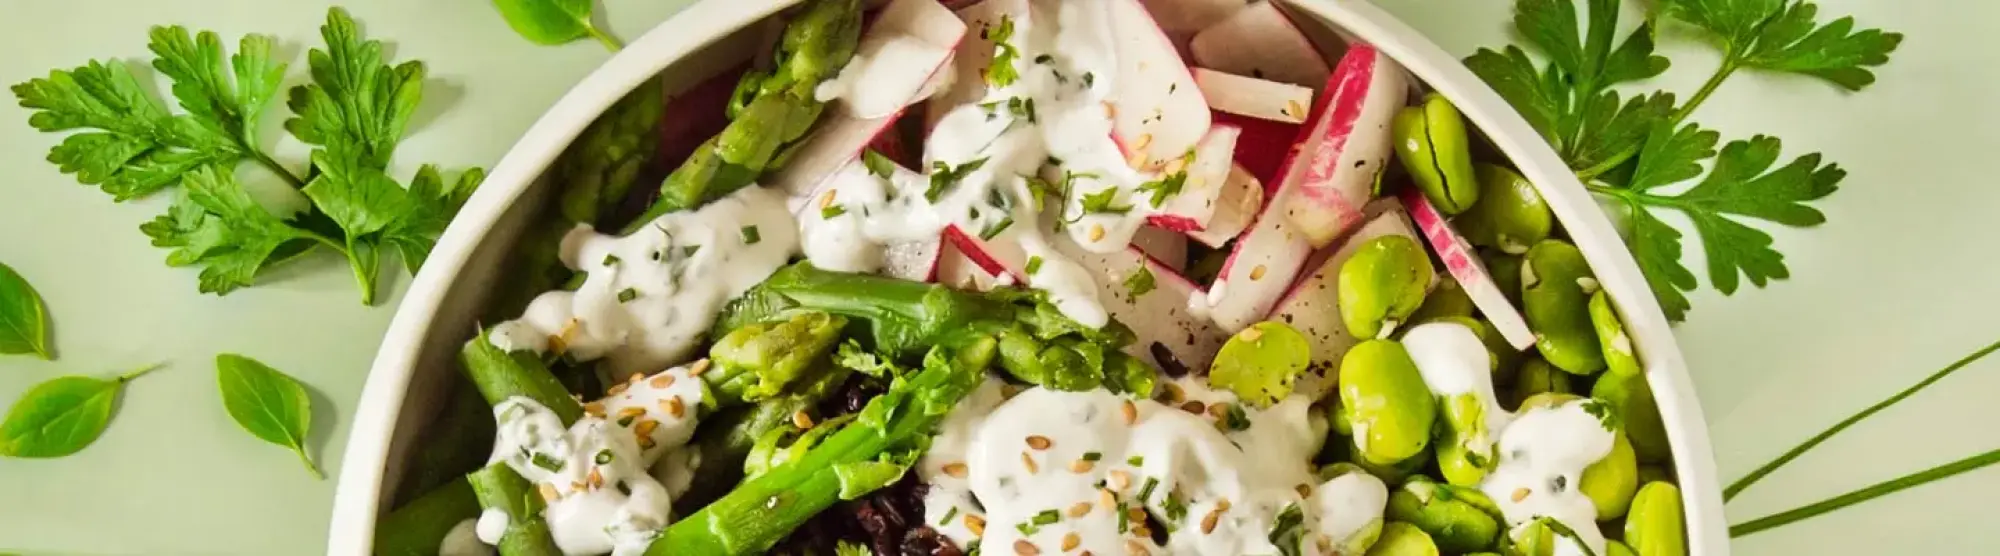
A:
[553, 22]
[24, 325]
[268, 404]
[59, 417]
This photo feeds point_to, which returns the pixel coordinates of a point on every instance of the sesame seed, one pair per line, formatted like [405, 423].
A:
[1137, 160]
[1521, 494]
[975, 524]
[645, 427]
[1079, 509]
[1096, 232]
[663, 381]
[1071, 540]
[631, 412]
[616, 389]
[1293, 108]
[594, 409]
[576, 486]
[1028, 461]
[1082, 466]
[1193, 406]
[645, 442]
[699, 366]
[596, 479]
[1222, 505]
[1250, 334]
[1039, 442]
[1325, 542]
[549, 492]
[1109, 500]
[1131, 412]
[1218, 410]
[1208, 522]
[634, 379]
[1257, 272]
[1120, 480]
[1023, 547]
[1135, 548]
[675, 407]
[1145, 140]
[956, 469]
[827, 199]
[801, 420]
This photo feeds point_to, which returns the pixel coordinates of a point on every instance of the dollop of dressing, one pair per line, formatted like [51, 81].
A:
[1543, 451]
[651, 295]
[598, 475]
[994, 165]
[1058, 472]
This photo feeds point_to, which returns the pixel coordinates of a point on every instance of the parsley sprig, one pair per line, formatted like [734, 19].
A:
[1634, 149]
[352, 113]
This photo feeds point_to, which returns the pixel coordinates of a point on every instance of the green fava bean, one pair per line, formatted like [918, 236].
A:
[1391, 474]
[1654, 527]
[1454, 523]
[1653, 473]
[1618, 353]
[1382, 284]
[1506, 272]
[1431, 141]
[1541, 537]
[1611, 482]
[1537, 377]
[1261, 363]
[1615, 548]
[1632, 398]
[1403, 539]
[1445, 301]
[1555, 296]
[1388, 406]
[1465, 448]
[1510, 216]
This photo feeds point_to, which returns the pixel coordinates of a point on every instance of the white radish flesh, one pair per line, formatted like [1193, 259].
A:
[1253, 97]
[974, 54]
[1202, 195]
[1157, 113]
[1259, 41]
[1242, 195]
[1169, 336]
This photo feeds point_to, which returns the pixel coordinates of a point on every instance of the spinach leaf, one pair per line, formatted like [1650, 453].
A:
[24, 324]
[59, 417]
[267, 403]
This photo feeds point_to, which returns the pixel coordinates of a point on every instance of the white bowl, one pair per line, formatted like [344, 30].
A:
[408, 383]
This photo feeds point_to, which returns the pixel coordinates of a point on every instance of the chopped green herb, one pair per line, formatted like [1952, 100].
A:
[1124, 523]
[1288, 530]
[1141, 282]
[1026, 529]
[610, 260]
[604, 457]
[750, 235]
[1104, 201]
[948, 515]
[1002, 72]
[1234, 418]
[1089, 80]
[1136, 461]
[690, 250]
[944, 176]
[1048, 517]
[830, 212]
[1176, 509]
[1093, 456]
[1045, 59]
[548, 462]
[1021, 107]
[1035, 265]
[628, 294]
[994, 230]
[1165, 187]
[1146, 493]
[877, 164]
[625, 421]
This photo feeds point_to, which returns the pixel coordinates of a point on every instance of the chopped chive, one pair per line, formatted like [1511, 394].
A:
[628, 294]
[1124, 523]
[1089, 79]
[1146, 493]
[1047, 517]
[603, 457]
[1136, 461]
[1026, 529]
[610, 260]
[829, 213]
[994, 231]
[1093, 456]
[877, 164]
[1034, 265]
[623, 488]
[750, 235]
[1175, 508]
[1044, 59]
[625, 422]
[546, 461]
[948, 515]
[690, 250]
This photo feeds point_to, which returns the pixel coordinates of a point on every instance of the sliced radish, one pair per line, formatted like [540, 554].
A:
[1348, 145]
[1000, 256]
[905, 46]
[1181, 19]
[1202, 195]
[1465, 266]
[1157, 111]
[1261, 42]
[1264, 146]
[1255, 275]
[1241, 196]
[915, 261]
[1167, 247]
[974, 54]
[956, 270]
[1168, 335]
[1313, 305]
[1253, 97]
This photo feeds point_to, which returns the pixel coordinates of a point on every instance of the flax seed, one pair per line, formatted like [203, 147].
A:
[1039, 442]
[1131, 412]
[1025, 548]
[1082, 466]
[975, 524]
[1193, 406]
[675, 407]
[663, 381]
[1079, 509]
[956, 469]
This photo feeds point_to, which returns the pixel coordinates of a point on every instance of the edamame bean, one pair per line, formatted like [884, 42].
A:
[1536, 377]
[1618, 353]
[1611, 481]
[1615, 548]
[1454, 523]
[1261, 363]
[1382, 283]
[1556, 286]
[1431, 142]
[1388, 406]
[1445, 300]
[1632, 399]
[1403, 539]
[1510, 215]
[1654, 526]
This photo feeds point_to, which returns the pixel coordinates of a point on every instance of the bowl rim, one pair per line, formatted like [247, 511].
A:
[357, 495]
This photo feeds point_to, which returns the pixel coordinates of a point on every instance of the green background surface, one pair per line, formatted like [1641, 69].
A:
[1900, 282]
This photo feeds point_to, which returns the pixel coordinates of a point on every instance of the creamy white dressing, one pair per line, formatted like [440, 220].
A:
[1062, 472]
[650, 296]
[1543, 451]
[598, 475]
[1053, 123]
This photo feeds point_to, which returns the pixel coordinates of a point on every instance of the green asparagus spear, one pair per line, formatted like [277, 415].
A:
[419, 527]
[498, 486]
[500, 374]
[725, 439]
[758, 361]
[447, 453]
[761, 511]
[599, 169]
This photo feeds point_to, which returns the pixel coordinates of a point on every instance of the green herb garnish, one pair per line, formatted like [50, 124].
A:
[877, 164]
[1140, 282]
[832, 211]
[750, 235]
[1035, 265]
[1104, 201]
[628, 294]
[610, 260]
[944, 176]
[604, 457]
[546, 461]
[1002, 71]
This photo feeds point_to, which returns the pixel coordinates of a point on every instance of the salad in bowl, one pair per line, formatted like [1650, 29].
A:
[1034, 276]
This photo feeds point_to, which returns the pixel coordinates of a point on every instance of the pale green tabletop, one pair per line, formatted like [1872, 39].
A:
[1897, 284]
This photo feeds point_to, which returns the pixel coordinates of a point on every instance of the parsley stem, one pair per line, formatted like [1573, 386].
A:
[1865, 494]
[275, 168]
[1794, 453]
[1722, 72]
[611, 43]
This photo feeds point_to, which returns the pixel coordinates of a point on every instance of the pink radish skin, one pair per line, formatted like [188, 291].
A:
[1202, 194]
[841, 134]
[1259, 41]
[1159, 317]
[1157, 111]
[1471, 273]
[1349, 144]
[1313, 305]
[974, 54]
[1242, 196]
[1253, 97]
